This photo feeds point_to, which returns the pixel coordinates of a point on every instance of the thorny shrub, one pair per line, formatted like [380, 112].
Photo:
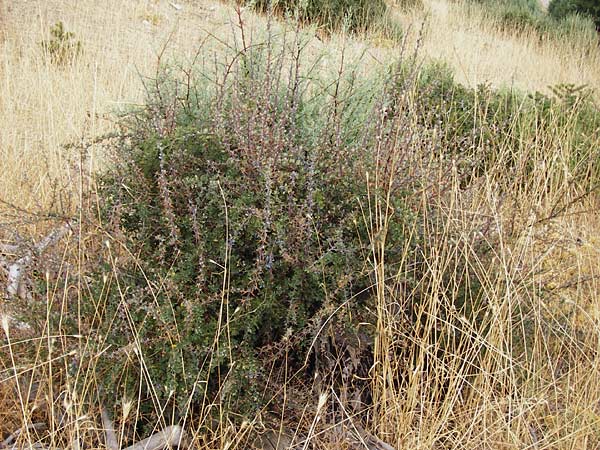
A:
[244, 208]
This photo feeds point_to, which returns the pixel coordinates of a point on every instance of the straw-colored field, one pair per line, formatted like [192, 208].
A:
[44, 108]
[479, 54]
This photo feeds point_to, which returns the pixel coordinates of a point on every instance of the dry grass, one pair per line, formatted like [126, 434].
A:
[541, 279]
[47, 107]
[472, 45]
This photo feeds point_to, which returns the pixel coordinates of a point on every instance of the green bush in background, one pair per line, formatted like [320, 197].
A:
[560, 9]
[521, 15]
[565, 20]
[578, 29]
[478, 124]
[333, 15]
[515, 15]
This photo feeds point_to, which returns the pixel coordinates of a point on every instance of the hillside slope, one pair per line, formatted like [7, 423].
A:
[121, 42]
[479, 53]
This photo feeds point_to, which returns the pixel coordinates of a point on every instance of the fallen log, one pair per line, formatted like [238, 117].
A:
[171, 436]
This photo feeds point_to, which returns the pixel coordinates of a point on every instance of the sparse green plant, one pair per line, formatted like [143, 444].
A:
[62, 47]
[572, 95]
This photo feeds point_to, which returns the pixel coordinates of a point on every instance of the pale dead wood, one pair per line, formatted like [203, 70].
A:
[17, 270]
[13, 437]
[34, 446]
[273, 440]
[110, 437]
[371, 441]
[171, 436]
[357, 436]
[75, 442]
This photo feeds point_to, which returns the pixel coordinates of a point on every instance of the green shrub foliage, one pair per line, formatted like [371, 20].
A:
[244, 217]
[478, 124]
[242, 221]
[355, 15]
[515, 15]
[560, 9]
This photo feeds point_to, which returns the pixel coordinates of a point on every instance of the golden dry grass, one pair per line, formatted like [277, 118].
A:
[472, 45]
[45, 107]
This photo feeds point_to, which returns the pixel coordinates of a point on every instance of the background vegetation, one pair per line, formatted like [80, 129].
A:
[560, 9]
[355, 15]
[564, 20]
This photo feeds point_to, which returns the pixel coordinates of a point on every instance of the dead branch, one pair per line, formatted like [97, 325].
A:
[357, 436]
[17, 270]
[13, 437]
[371, 441]
[110, 437]
[169, 437]
[34, 446]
